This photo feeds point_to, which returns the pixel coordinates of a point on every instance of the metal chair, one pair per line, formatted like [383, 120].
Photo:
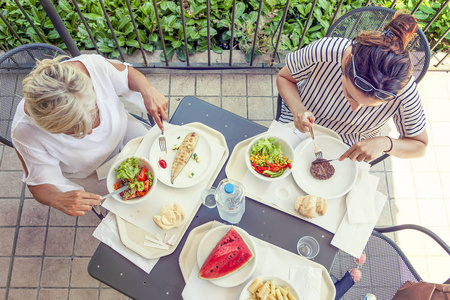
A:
[375, 18]
[386, 268]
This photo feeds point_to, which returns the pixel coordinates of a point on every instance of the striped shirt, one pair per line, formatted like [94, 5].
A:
[317, 68]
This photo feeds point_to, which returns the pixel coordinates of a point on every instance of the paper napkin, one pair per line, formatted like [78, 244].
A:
[361, 198]
[108, 233]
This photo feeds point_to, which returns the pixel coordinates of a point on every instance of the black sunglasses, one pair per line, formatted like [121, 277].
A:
[368, 87]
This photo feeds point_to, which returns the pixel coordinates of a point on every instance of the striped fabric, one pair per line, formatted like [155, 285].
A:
[317, 68]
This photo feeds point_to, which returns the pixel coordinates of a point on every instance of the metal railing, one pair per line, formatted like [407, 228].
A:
[72, 48]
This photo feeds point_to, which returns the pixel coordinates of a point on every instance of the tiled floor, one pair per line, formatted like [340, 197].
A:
[44, 253]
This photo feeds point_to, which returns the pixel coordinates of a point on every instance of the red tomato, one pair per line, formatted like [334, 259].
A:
[162, 163]
[142, 175]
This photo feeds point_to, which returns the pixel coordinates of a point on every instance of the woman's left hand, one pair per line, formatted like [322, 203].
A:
[367, 150]
[157, 106]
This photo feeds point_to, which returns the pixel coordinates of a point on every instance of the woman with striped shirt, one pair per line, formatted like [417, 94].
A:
[355, 87]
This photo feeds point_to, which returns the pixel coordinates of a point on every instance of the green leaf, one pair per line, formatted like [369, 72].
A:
[64, 5]
[124, 21]
[240, 8]
[177, 44]
[181, 54]
[104, 48]
[132, 43]
[169, 51]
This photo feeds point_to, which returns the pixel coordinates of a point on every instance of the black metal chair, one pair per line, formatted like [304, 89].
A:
[375, 18]
[386, 268]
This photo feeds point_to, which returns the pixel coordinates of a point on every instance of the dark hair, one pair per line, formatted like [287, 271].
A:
[382, 57]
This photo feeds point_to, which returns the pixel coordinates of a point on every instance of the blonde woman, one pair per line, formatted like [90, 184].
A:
[71, 121]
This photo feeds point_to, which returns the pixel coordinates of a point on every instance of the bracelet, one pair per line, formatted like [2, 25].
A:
[392, 145]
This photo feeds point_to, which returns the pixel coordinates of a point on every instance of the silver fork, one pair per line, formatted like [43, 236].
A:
[162, 142]
[317, 151]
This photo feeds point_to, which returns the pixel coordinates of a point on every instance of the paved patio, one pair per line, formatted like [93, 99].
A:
[44, 253]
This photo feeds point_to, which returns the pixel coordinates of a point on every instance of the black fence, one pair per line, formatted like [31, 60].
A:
[187, 64]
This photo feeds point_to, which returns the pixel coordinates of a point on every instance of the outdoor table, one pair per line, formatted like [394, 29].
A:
[165, 281]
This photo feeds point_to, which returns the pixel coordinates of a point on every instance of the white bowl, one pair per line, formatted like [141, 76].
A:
[112, 178]
[285, 147]
[245, 294]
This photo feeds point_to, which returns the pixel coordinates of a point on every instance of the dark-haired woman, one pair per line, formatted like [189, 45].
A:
[354, 87]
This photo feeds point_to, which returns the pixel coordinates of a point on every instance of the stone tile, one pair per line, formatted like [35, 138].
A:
[274, 84]
[2, 293]
[4, 271]
[10, 161]
[83, 294]
[31, 241]
[385, 218]
[85, 243]
[21, 294]
[9, 212]
[411, 242]
[11, 184]
[443, 158]
[182, 85]
[382, 183]
[397, 164]
[160, 81]
[34, 213]
[405, 211]
[431, 247]
[56, 272]
[432, 212]
[60, 241]
[438, 108]
[429, 84]
[401, 185]
[439, 132]
[111, 294]
[264, 123]
[216, 101]
[427, 163]
[438, 267]
[259, 85]
[260, 108]
[428, 185]
[445, 179]
[54, 294]
[89, 219]
[419, 263]
[208, 85]
[6, 240]
[26, 272]
[80, 276]
[58, 218]
[173, 104]
[236, 105]
[234, 85]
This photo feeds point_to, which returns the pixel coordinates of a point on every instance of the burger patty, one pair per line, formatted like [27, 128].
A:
[322, 170]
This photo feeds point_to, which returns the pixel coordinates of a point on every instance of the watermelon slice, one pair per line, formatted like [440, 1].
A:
[229, 255]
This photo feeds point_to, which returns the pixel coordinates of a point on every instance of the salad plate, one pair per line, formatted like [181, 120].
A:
[345, 171]
[207, 244]
[164, 160]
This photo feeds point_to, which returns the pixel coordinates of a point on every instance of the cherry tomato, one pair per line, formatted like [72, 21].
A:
[162, 163]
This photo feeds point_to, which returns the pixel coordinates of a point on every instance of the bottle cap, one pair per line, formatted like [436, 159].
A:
[229, 188]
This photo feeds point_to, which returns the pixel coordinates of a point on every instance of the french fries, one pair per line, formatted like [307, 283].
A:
[268, 290]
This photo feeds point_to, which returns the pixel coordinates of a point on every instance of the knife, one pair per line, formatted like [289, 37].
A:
[324, 160]
[96, 208]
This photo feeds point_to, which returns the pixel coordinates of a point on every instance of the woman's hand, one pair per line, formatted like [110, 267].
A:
[304, 120]
[367, 150]
[73, 203]
[157, 106]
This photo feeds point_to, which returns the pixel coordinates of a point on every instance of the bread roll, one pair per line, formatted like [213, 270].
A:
[311, 206]
[170, 216]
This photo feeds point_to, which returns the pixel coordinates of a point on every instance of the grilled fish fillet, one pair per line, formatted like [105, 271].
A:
[183, 154]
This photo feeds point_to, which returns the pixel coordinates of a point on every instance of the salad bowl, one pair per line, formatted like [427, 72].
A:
[278, 153]
[112, 180]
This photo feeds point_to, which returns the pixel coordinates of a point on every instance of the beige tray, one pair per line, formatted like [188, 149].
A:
[188, 259]
[133, 237]
[236, 167]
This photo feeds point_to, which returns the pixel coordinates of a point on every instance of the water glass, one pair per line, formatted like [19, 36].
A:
[208, 197]
[308, 247]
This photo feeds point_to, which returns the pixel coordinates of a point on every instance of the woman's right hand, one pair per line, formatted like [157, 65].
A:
[304, 120]
[75, 203]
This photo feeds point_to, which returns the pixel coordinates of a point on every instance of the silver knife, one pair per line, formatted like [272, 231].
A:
[96, 208]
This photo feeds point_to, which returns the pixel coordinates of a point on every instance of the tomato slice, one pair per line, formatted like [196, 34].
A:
[142, 175]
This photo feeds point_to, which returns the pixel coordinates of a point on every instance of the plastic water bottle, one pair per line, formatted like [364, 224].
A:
[369, 297]
[230, 200]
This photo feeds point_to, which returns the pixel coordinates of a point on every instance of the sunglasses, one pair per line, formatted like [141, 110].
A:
[367, 87]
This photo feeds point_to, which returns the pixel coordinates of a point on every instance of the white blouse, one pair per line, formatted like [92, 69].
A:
[56, 158]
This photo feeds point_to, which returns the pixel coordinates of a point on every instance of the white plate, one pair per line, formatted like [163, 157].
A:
[208, 243]
[200, 170]
[245, 294]
[345, 171]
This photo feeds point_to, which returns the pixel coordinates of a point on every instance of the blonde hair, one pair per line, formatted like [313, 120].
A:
[60, 98]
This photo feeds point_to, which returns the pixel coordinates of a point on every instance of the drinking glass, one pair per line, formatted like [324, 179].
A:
[208, 197]
[308, 247]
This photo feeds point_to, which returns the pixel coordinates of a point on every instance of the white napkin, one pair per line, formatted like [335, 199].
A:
[307, 280]
[108, 233]
[361, 198]
[189, 198]
[272, 261]
[352, 238]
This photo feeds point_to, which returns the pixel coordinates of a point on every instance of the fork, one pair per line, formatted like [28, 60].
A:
[162, 142]
[317, 151]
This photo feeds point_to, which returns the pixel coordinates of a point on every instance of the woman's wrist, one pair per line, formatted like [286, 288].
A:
[391, 145]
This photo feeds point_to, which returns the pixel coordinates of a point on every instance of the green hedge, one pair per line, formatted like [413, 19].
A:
[196, 20]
